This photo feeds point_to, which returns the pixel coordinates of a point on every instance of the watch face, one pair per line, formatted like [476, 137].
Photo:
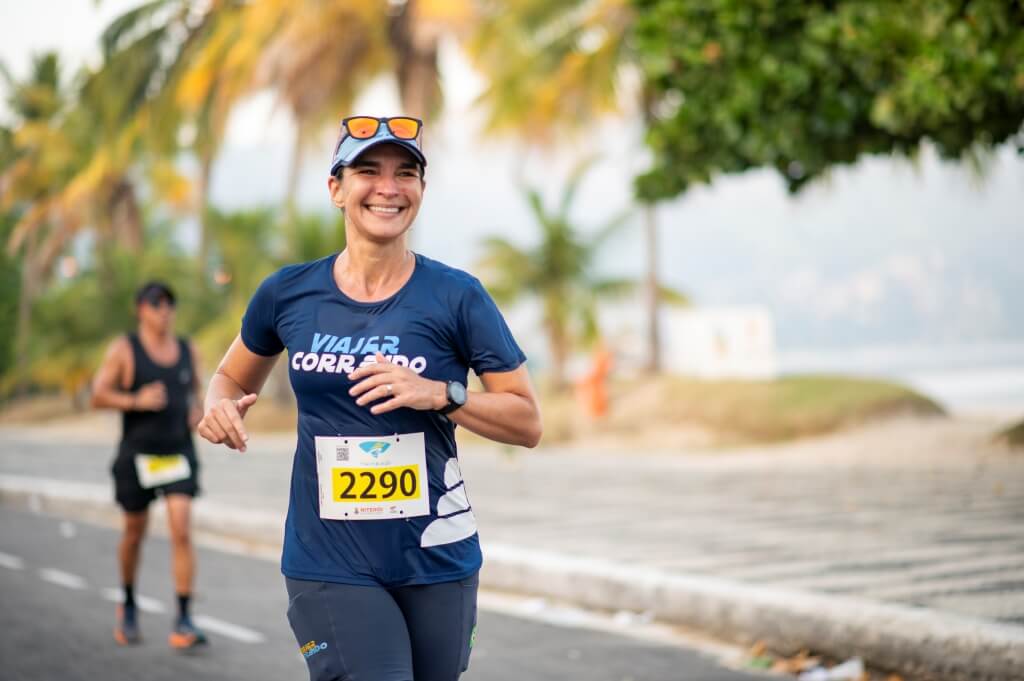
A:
[457, 393]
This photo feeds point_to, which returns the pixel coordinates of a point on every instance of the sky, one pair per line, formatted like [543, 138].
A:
[884, 253]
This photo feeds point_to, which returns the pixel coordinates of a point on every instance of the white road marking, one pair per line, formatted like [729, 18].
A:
[12, 562]
[145, 603]
[67, 530]
[227, 629]
[212, 624]
[61, 578]
[111, 594]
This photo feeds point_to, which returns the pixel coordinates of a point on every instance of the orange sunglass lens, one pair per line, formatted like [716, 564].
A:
[404, 128]
[363, 127]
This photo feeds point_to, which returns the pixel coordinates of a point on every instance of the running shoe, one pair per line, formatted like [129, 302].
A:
[186, 635]
[126, 632]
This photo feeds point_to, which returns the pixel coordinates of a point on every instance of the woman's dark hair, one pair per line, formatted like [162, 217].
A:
[341, 171]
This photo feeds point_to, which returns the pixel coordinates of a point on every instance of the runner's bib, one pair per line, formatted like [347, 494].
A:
[372, 478]
[161, 469]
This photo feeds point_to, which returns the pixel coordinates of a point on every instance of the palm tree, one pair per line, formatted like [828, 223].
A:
[318, 56]
[415, 31]
[559, 271]
[114, 121]
[555, 67]
[201, 64]
[74, 155]
[36, 156]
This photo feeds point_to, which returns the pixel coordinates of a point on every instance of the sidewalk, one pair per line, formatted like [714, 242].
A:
[902, 542]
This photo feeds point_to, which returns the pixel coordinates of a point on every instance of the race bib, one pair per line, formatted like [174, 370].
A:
[372, 478]
[161, 469]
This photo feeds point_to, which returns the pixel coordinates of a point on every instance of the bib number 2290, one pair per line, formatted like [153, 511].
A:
[372, 478]
[397, 483]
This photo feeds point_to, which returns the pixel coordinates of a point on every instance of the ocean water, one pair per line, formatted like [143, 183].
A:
[985, 378]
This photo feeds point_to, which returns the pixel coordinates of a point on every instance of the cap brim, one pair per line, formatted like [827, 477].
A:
[348, 153]
[154, 292]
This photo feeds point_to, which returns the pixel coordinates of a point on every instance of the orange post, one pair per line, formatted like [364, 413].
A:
[592, 389]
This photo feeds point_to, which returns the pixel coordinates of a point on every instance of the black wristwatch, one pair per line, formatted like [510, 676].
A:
[456, 394]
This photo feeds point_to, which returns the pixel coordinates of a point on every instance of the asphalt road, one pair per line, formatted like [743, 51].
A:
[926, 514]
[57, 587]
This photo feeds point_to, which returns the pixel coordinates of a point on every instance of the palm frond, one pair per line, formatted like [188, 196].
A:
[8, 77]
[609, 229]
[671, 296]
[614, 287]
[507, 270]
[576, 175]
[536, 203]
[126, 24]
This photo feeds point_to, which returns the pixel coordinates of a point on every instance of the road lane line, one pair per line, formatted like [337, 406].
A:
[144, 603]
[61, 578]
[227, 629]
[12, 562]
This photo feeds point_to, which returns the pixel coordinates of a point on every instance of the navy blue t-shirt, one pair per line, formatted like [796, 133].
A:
[440, 324]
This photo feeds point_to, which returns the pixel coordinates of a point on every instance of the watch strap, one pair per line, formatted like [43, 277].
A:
[452, 405]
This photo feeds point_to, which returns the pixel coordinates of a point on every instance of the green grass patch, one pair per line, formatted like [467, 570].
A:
[734, 411]
[1014, 435]
[661, 414]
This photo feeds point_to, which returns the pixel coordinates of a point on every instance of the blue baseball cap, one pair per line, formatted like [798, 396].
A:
[347, 149]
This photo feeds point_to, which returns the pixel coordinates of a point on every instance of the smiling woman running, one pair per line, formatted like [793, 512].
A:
[381, 552]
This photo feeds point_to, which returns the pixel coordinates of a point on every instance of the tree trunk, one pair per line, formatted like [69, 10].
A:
[415, 44]
[282, 391]
[652, 283]
[125, 216]
[558, 342]
[205, 172]
[652, 288]
[291, 191]
[26, 296]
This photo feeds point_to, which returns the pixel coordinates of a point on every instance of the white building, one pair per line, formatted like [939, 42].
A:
[705, 342]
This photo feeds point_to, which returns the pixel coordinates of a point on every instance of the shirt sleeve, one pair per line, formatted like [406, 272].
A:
[259, 324]
[487, 341]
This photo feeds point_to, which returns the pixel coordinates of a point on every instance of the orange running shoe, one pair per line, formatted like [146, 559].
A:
[126, 632]
[186, 635]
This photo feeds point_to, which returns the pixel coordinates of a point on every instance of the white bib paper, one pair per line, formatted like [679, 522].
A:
[161, 469]
[372, 478]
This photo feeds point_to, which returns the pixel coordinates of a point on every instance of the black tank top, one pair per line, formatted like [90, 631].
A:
[165, 431]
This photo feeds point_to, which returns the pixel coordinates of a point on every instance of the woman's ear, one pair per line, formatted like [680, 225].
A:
[336, 188]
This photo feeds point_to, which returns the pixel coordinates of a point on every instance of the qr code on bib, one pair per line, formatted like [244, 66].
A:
[342, 452]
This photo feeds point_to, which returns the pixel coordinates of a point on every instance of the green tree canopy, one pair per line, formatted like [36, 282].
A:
[802, 86]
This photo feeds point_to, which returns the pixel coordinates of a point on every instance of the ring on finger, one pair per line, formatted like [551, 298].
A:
[388, 388]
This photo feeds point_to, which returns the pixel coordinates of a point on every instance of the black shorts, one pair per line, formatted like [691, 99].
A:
[129, 492]
[372, 633]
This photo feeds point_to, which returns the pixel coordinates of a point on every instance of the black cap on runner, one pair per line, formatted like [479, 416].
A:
[153, 292]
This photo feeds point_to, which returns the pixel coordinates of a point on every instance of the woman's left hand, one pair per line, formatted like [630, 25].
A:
[398, 386]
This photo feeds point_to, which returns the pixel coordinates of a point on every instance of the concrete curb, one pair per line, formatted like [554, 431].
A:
[915, 642]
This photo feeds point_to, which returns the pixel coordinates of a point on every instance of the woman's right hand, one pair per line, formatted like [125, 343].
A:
[222, 422]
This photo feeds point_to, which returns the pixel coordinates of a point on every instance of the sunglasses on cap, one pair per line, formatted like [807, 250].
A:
[365, 127]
